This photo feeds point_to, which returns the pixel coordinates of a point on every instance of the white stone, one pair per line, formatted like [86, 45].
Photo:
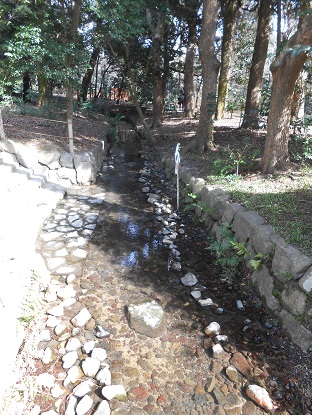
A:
[57, 391]
[176, 266]
[306, 281]
[88, 346]
[83, 388]
[57, 311]
[260, 396]
[45, 380]
[53, 321]
[45, 336]
[77, 223]
[84, 405]
[73, 217]
[71, 406]
[73, 344]
[59, 329]
[35, 410]
[104, 376]
[67, 292]
[65, 270]
[92, 217]
[90, 366]
[213, 329]
[70, 278]
[112, 391]
[189, 279]
[196, 294]
[80, 253]
[145, 189]
[69, 359]
[81, 318]
[222, 338]
[99, 354]
[103, 409]
[48, 356]
[239, 305]
[73, 374]
[217, 350]
[205, 302]
[68, 302]
[51, 412]
[61, 252]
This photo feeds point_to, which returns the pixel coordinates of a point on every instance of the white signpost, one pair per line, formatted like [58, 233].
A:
[177, 163]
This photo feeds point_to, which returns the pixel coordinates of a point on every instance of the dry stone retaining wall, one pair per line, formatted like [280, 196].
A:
[55, 166]
[284, 280]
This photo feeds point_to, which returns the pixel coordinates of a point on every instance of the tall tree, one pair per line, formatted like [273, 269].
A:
[156, 21]
[70, 39]
[191, 18]
[252, 106]
[203, 139]
[285, 71]
[229, 10]
[86, 80]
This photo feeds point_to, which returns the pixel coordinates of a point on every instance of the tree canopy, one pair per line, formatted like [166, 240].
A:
[151, 53]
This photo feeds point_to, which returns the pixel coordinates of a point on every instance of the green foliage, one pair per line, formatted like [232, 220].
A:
[225, 253]
[236, 162]
[191, 200]
[230, 253]
[301, 147]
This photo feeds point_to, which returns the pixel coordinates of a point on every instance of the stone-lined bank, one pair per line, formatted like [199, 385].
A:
[54, 165]
[284, 280]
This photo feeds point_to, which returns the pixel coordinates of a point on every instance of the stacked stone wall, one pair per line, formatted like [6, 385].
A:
[284, 280]
[55, 166]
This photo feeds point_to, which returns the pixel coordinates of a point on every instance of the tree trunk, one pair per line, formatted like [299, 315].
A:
[252, 107]
[69, 88]
[157, 60]
[229, 10]
[203, 139]
[2, 133]
[279, 23]
[44, 88]
[26, 86]
[189, 103]
[86, 81]
[285, 70]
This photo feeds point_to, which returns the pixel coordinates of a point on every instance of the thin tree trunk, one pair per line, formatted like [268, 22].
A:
[2, 133]
[203, 139]
[69, 88]
[86, 81]
[158, 99]
[252, 107]
[279, 23]
[285, 70]
[229, 10]
[189, 104]
[26, 86]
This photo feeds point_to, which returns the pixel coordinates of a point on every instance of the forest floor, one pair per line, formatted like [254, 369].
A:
[283, 199]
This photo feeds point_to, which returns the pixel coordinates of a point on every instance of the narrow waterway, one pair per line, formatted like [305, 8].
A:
[126, 259]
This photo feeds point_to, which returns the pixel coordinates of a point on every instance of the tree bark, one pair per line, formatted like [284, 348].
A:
[189, 103]
[252, 106]
[26, 86]
[69, 86]
[229, 9]
[157, 61]
[86, 81]
[285, 70]
[203, 139]
[2, 133]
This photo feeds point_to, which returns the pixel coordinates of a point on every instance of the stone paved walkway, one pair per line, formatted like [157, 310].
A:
[106, 248]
